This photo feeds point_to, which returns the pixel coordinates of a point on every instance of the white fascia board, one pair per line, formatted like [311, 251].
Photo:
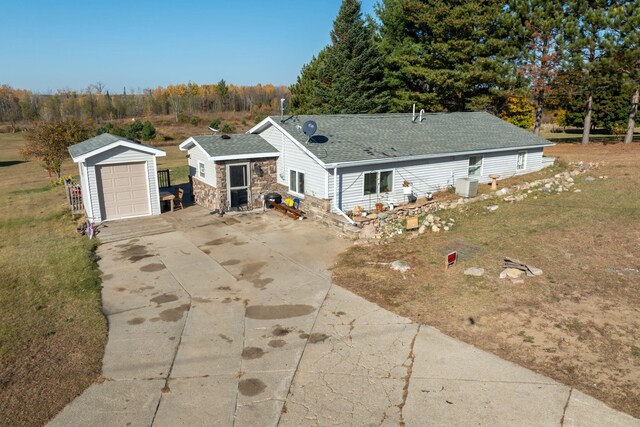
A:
[430, 156]
[191, 142]
[261, 125]
[132, 145]
[269, 120]
[187, 144]
[244, 156]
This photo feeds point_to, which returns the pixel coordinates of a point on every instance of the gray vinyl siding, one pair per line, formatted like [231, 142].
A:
[292, 157]
[197, 154]
[122, 155]
[429, 175]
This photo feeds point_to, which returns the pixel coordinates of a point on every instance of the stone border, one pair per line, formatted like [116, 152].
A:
[390, 223]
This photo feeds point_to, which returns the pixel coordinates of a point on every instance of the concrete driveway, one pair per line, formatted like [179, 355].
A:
[234, 320]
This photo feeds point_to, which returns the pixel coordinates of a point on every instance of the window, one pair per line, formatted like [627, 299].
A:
[522, 161]
[296, 181]
[475, 165]
[378, 182]
[201, 169]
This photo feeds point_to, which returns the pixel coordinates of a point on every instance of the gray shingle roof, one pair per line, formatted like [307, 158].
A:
[237, 145]
[98, 142]
[360, 137]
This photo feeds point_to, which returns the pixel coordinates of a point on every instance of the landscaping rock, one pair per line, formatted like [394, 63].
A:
[517, 281]
[368, 232]
[474, 271]
[589, 179]
[401, 266]
[511, 273]
[492, 208]
[435, 229]
[535, 271]
[372, 216]
[422, 229]
[383, 215]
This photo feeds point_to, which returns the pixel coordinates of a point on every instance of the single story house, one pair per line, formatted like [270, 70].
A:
[118, 177]
[357, 159]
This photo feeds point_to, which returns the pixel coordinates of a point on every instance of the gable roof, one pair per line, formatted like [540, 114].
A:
[370, 138]
[103, 142]
[236, 146]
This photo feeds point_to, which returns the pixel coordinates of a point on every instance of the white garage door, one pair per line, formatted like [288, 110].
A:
[125, 191]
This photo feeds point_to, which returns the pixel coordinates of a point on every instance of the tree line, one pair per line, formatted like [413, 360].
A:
[515, 58]
[95, 104]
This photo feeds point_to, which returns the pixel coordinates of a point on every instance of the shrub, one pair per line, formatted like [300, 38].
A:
[135, 130]
[227, 128]
[194, 121]
[215, 123]
[148, 131]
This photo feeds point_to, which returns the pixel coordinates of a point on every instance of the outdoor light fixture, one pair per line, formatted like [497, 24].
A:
[258, 170]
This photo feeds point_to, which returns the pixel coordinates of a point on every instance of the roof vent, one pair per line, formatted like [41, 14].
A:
[225, 137]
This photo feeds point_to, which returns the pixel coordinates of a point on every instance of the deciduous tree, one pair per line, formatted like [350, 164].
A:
[540, 31]
[48, 142]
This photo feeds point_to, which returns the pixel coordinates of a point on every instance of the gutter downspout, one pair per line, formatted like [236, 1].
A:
[335, 197]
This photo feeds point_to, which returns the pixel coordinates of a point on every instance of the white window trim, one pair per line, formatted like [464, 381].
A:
[297, 171]
[524, 164]
[377, 172]
[481, 165]
[202, 173]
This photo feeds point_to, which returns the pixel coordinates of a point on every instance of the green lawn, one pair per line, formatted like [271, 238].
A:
[52, 331]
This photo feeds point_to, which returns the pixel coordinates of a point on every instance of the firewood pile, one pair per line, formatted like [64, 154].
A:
[514, 269]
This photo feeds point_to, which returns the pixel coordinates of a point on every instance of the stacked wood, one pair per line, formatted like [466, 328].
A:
[289, 211]
[512, 263]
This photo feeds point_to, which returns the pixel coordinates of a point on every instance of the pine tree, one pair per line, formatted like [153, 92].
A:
[309, 93]
[587, 25]
[445, 55]
[624, 55]
[347, 75]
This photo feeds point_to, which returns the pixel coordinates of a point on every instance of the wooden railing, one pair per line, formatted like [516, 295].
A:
[73, 192]
[164, 178]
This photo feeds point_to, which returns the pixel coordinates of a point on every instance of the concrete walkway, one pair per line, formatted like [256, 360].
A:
[234, 321]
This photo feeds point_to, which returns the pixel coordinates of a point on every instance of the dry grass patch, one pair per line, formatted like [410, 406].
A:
[578, 323]
[52, 331]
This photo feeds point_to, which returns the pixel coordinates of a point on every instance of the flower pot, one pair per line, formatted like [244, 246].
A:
[379, 207]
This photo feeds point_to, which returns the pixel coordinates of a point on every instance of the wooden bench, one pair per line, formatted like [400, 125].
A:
[288, 211]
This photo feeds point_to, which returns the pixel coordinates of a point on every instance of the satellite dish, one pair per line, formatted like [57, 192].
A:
[309, 128]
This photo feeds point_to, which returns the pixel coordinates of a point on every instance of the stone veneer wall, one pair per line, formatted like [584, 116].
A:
[204, 194]
[314, 207]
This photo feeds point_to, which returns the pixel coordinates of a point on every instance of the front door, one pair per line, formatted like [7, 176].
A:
[238, 185]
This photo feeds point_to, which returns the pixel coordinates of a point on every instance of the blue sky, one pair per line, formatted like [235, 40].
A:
[49, 45]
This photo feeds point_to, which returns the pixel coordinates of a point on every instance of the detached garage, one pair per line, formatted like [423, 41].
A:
[118, 177]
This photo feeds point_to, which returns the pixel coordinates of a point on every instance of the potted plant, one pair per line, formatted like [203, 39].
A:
[379, 207]
[406, 187]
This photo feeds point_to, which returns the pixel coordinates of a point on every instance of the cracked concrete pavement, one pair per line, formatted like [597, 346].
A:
[234, 321]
